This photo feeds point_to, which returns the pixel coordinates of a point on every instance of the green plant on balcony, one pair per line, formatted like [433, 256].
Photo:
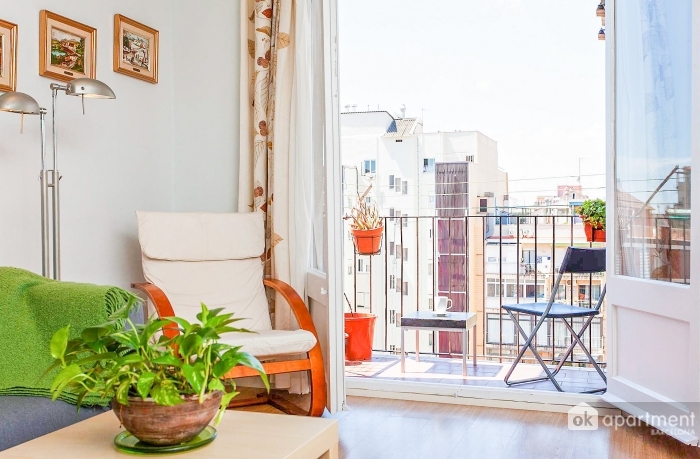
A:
[592, 211]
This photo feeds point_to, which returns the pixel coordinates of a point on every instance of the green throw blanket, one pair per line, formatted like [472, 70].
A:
[32, 309]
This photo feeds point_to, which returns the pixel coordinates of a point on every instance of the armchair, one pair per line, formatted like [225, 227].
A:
[193, 258]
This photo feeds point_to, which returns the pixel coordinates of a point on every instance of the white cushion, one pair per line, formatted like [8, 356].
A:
[272, 343]
[188, 277]
[201, 236]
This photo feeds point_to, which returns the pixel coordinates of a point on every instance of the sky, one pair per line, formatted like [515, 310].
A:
[530, 74]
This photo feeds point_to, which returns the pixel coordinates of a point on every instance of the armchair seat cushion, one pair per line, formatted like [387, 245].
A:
[271, 343]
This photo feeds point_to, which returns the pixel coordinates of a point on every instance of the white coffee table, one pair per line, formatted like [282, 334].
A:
[461, 322]
[241, 435]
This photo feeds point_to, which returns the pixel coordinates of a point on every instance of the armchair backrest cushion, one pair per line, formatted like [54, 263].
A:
[211, 258]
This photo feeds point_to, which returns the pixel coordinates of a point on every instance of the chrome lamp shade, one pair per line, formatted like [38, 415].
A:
[88, 87]
[19, 102]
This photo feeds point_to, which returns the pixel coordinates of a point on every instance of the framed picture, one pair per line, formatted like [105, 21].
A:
[67, 49]
[135, 49]
[8, 56]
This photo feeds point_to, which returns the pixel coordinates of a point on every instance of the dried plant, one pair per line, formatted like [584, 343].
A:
[365, 216]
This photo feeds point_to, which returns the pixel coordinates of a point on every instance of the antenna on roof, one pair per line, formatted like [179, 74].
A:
[403, 110]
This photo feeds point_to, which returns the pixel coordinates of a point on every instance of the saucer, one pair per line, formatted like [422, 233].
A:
[440, 314]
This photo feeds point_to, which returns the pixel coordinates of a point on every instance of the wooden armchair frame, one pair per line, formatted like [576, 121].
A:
[313, 363]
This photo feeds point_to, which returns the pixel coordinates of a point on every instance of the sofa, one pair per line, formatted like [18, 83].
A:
[23, 418]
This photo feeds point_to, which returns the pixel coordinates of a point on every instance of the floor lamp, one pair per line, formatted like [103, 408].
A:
[18, 102]
[83, 87]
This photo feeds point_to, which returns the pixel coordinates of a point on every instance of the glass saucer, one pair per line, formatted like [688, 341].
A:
[127, 443]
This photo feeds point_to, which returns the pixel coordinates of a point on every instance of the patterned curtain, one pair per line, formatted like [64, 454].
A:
[267, 150]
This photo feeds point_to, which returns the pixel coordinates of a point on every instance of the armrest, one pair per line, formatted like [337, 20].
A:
[162, 305]
[295, 302]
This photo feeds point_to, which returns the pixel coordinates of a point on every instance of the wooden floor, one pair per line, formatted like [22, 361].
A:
[380, 428]
[383, 429]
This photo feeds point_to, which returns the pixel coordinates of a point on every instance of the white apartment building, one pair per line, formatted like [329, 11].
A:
[398, 160]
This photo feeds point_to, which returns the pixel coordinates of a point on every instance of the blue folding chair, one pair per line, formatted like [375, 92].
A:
[578, 261]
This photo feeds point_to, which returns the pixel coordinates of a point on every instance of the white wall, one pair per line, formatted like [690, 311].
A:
[155, 147]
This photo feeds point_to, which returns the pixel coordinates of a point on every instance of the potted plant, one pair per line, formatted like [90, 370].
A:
[164, 391]
[592, 212]
[367, 226]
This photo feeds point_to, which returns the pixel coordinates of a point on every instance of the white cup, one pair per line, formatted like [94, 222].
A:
[441, 305]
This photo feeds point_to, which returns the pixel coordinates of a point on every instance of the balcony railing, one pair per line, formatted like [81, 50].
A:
[481, 262]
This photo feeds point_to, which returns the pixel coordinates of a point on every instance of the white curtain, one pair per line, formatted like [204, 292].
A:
[279, 60]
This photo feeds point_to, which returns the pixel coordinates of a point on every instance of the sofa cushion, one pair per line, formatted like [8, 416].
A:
[25, 418]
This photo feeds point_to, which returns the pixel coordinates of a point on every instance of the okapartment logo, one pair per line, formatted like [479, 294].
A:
[583, 417]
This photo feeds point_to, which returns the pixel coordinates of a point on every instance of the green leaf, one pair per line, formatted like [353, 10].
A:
[204, 315]
[123, 392]
[184, 325]
[225, 400]
[223, 366]
[166, 394]
[249, 361]
[195, 375]
[92, 334]
[216, 384]
[96, 358]
[63, 378]
[144, 384]
[151, 328]
[190, 344]
[208, 333]
[129, 359]
[58, 343]
[127, 339]
[169, 360]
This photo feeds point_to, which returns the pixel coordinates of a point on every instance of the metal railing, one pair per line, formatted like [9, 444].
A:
[481, 262]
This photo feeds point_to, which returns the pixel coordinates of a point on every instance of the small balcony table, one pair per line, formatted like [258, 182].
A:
[459, 322]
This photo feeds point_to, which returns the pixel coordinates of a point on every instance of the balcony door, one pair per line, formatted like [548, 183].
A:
[654, 140]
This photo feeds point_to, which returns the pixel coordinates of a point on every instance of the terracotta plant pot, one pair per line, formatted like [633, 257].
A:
[360, 330]
[593, 234]
[167, 425]
[367, 242]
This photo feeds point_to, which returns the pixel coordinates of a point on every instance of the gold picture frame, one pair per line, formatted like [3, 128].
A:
[67, 48]
[135, 49]
[8, 56]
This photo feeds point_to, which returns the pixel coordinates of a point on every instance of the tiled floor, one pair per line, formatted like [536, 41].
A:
[386, 366]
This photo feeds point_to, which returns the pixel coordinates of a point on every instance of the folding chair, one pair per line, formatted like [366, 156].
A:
[577, 261]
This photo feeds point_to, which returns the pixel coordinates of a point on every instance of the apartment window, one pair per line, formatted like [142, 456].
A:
[404, 187]
[483, 205]
[405, 222]
[492, 259]
[528, 256]
[391, 182]
[493, 329]
[398, 284]
[429, 165]
[361, 299]
[493, 287]
[405, 288]
[430, 303]
[392, 281]
[391, 213]
[391, 248]
[397, 184]
[431, 200]
[370, 166]
[469, 158]
[398, 251]
[405, 254]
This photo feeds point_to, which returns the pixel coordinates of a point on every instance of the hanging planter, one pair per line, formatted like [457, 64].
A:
[592, 212]
[367, 227]
[367, 242]
[593, 234]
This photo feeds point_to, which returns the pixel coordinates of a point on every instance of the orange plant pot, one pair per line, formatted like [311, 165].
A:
[367, 242]
[593, 234]
[360, 331]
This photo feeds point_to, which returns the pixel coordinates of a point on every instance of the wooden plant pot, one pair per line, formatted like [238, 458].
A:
[367, 242]
[593, 234]
[167, 425]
